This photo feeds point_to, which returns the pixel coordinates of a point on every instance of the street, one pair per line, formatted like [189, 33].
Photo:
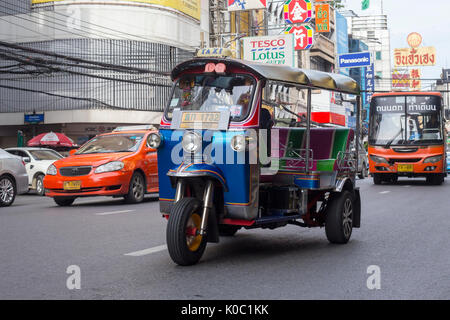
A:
[120, 250]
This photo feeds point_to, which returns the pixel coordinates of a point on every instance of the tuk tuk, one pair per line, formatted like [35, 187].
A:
[237, 149]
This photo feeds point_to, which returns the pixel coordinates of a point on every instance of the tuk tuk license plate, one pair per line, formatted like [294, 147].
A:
[205, 120]
[72, 185]
[405, 168]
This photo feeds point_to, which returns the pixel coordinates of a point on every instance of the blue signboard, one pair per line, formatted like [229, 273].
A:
[34, 118]
[342, 38]
[355, 60]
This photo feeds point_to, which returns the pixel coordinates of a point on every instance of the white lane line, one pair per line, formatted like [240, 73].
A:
[384, 192]
[147, 251]
[113, 212]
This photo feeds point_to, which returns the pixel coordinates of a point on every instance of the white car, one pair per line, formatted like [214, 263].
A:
[37, 160]
[13, 178]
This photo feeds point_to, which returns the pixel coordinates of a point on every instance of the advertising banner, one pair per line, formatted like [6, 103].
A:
[297, 11]
[303, 36]
[400, 79]
[342, 38]
[355, 60]
[370, 82]
[239, 5]
[415, 83]
[410, 57]
[277, 49]
[189, 7]
[323, 18]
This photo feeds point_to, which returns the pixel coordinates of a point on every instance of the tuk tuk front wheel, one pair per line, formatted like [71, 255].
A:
[339, 217]
[184, 242]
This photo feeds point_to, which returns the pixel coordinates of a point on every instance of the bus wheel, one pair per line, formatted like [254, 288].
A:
[185, 244]
[377, 178]
[339, 217]
[435, 179]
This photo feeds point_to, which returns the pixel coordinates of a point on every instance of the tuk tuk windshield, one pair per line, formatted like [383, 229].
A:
[199, 92]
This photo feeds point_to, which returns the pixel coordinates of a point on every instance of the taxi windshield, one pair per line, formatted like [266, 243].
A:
[112, 143]
[231, 93]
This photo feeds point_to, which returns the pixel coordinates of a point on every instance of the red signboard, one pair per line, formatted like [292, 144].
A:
[303, 36]
[297, 11]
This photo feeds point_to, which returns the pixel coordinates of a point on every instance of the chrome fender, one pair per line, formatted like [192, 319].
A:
[193, 170]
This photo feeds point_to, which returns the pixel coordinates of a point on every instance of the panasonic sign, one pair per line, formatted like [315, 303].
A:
[355, 60]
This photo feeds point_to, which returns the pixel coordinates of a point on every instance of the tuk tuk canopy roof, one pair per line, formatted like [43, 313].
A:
[308, 78]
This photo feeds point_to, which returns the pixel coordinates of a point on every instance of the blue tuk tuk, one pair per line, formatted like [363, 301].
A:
[237, 149]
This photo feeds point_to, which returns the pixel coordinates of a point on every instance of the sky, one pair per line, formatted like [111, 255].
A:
[430, 18]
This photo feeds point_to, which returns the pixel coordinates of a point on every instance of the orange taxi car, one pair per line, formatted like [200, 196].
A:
[119, 164]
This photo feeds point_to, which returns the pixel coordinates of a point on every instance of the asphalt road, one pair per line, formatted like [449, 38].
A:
[120, 250]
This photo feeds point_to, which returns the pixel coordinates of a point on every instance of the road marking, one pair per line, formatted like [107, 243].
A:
[407, 186]
[384, 192]
[113, 212]
[147, 251]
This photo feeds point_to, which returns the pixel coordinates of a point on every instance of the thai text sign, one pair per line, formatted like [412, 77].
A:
[277, 49]
[323, 18]
[408, 57]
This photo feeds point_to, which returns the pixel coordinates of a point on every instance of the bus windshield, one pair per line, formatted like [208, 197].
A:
[405, 120]
[201, 92]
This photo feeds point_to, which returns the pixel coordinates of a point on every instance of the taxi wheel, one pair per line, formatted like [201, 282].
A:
[136, 190]
[184, 243]
[377, 179]
[435, 179]
[63, 201]
[339, 217]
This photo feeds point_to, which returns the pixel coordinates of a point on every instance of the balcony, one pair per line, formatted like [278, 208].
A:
[323, 48]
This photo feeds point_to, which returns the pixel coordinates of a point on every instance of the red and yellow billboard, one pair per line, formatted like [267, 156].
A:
[412, 57]
[189, 7]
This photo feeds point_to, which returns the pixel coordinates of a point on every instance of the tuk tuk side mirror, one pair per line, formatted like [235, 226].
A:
[72, 152]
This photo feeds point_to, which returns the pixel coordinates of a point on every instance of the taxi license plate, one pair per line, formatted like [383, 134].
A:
[72, 185]
[405, 168]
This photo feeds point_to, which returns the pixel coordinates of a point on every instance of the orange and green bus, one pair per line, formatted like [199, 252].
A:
[407, 137]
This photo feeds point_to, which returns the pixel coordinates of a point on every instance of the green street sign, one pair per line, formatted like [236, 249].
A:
[365, 4]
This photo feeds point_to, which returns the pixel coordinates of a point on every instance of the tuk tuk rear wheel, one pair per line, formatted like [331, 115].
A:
[184, 243]
[339, 217]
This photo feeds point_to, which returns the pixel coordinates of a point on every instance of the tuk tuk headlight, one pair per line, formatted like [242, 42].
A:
[238, 143]
[433, 159]
[192, 142]
[154, 140]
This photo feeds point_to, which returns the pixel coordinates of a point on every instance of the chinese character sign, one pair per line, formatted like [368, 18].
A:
[303, 36]
[415, 83]
[409, 57]
[297, 11]
[323, 18]
[370, 82]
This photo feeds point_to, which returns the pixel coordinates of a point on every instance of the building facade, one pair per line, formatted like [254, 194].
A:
[136, 42]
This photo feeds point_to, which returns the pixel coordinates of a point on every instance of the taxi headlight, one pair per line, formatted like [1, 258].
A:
[110, 166]
[433, 159]
[51, 170]
[238, 143]
[154, 140]
[192, 142]
[378, 159]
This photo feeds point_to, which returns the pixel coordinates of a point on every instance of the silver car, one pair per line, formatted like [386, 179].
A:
[13, 178]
